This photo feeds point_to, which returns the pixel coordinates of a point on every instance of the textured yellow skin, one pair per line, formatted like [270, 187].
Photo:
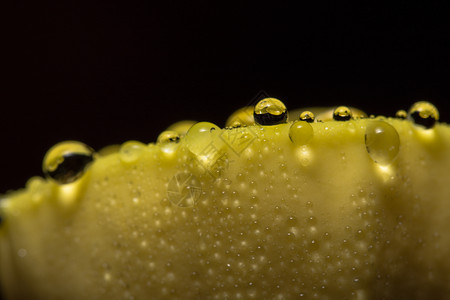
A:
[276, 221]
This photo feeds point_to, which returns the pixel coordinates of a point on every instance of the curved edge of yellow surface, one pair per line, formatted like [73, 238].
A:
[240, 213]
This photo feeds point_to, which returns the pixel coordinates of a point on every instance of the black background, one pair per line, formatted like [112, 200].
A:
[108, 72]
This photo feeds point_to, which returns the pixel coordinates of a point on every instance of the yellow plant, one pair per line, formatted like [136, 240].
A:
[330, 205]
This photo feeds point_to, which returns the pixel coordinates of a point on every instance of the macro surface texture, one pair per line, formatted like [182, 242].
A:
[329, 204]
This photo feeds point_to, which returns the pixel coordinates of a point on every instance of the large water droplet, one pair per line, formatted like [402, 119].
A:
[342, 113]
[67, 161]
[301, 133]
[424, 113]
[241, 117]
[201, 136]
[168, 140]
[270, 111]
[382, 142]
[307, 116]
[131, 151]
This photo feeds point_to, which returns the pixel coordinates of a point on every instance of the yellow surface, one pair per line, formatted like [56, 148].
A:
[241, 213]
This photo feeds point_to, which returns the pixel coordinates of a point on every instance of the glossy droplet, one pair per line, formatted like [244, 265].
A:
[201, 137]
[241, 117]
[67, 161]
[270, 111]
[301, 133]
[168, 140]
[382, 142]
[131, 151]
[307, 116]
[168, 137]
[401, 114]
[424, 113]
[342, 113]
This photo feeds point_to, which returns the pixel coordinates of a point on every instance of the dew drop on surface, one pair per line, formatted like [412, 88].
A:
[382, 142]
[131, 151]
[201, 137]
[67, 161]
[342, 113]
[168, 140]
[401, 114]
[424, 113]
[241, 117]
[168, 137]
[301, 133]
[307, 116]
[270, 111]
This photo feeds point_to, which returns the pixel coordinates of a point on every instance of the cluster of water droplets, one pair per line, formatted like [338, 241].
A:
[68, 161]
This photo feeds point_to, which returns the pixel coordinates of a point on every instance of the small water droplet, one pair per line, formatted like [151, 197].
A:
[67, 161]
[168, 137]
[424, 113]
[401, 114]
[307, 116]
[301, 133]
[241, 117]
[382, 142]
[342, 113]
[270, 111]
[168, 141]
[291, 221]
[131, 151]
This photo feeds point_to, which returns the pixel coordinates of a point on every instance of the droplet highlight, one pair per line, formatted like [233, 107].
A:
[301, 133]
[307, 116]
[67, 161]
[424, 113]
[270, 111]
[382, 142]
[342, 113]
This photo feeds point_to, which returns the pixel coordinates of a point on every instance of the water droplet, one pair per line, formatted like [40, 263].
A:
[301, 133]
[168, 140]
[307, 116]
[342, 113]
[131, 151]
[181, 127]
[424, 113]
[270, 111]
[67, 161]
[382, 142]
[291, 221]
[241, 117]
[201, 136]
[401, 114]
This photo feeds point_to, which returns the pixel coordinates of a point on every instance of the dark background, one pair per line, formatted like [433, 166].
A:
[108, 72]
